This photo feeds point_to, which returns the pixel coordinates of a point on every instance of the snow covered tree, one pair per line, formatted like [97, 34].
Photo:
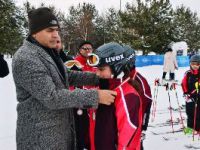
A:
[79, 24]
[109, 23]
[11, 27]
[147, 24]
[186, 26]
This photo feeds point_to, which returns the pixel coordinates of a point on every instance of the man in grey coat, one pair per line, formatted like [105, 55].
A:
[45, 105]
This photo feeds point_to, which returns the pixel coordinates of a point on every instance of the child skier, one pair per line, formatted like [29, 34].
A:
[144, 91]
[190, 86]
[118, 126]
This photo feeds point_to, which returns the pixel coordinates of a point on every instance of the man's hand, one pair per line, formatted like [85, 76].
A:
[106, 96]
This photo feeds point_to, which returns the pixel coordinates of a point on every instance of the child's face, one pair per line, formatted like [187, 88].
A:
[194, 65]
[104, 72]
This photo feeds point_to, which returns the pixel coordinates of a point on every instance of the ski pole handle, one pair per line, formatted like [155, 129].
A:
[197, 86]
[174, 85]
[156, 82]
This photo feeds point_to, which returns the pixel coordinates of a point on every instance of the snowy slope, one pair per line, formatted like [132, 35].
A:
[8, 113]
[163, 141]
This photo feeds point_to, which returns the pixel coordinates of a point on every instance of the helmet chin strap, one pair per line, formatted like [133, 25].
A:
[120, 76]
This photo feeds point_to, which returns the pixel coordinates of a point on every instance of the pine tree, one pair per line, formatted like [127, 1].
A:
[11, 27]
[187, 27]
[147, 24]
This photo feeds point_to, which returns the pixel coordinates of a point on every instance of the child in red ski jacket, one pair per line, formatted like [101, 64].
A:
[190, 86]
[118, 126]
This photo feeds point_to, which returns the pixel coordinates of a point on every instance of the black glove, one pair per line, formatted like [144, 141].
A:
[104, 83]
[109, 83]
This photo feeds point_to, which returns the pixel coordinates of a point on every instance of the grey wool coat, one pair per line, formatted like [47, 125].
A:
[45, 105]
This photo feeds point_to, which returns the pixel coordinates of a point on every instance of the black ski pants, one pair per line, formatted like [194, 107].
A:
[190, 108]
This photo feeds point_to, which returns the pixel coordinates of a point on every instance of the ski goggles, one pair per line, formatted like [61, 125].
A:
[86, 48]
[71, 63]
[93, 59]
[194, 65]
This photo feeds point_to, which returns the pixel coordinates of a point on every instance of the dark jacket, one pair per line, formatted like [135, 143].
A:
[4, 71]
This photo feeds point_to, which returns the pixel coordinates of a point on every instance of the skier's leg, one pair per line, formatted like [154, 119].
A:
[164, 74]
[198, 117]
[171, 75]
[190, 114]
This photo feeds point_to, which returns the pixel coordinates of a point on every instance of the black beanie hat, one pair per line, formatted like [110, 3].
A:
[83, 43]
[40, 19]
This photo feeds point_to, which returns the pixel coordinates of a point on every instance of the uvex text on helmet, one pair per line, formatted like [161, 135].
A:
[111, 54]
[130, 57]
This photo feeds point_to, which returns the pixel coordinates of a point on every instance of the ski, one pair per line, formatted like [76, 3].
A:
[169, 138]
[166, 123]
[162, 125]
[190, 146]
[167, 132]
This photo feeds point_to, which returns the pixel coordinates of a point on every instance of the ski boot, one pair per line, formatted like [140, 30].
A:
[188, 130]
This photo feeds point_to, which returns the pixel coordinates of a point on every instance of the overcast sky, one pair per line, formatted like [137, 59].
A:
[101, 5]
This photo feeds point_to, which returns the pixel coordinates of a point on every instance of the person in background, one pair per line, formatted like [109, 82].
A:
[170, 64]
[191, 53]
[119, 125]
[191, 93]
[85, 48]
[85, 122]
[45, 117]
[4, 70]
[59, 48]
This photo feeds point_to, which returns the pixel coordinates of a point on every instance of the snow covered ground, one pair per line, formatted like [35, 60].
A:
[158, 136]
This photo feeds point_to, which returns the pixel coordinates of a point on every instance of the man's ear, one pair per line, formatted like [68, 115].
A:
[34, 35]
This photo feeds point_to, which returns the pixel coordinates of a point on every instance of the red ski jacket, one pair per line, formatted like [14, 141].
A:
[189, 80]
[129, 117]
[119, 126]
[83, 62]
[146, 97]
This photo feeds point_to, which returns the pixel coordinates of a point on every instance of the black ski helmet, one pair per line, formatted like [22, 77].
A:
[130, 56]
[119, 58]
[112, 54]
[195, 58]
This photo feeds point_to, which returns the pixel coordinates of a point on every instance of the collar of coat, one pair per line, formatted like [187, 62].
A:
[50, 54]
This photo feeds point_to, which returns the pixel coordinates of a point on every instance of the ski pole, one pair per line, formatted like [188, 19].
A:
[154, 93]
[155, 106]
[170, 107]
[179, 107]
[195, 109]
[156, 96]
[156, 82]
